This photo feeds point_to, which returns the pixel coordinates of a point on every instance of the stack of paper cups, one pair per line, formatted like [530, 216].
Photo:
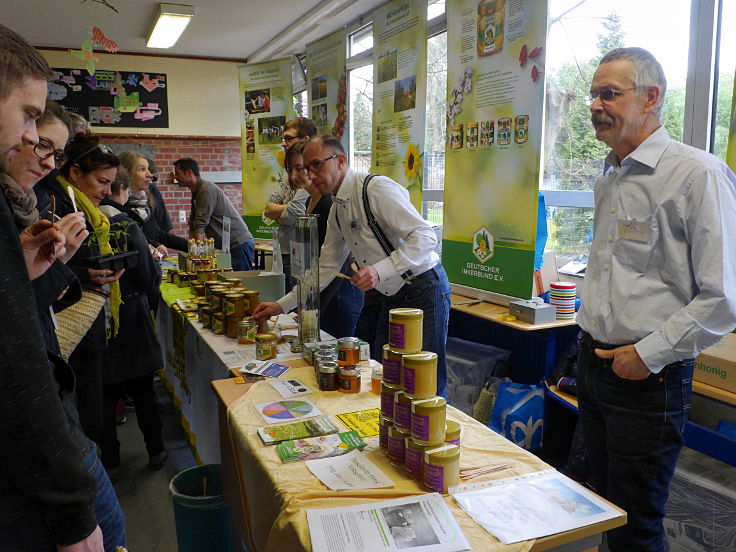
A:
[562, 296]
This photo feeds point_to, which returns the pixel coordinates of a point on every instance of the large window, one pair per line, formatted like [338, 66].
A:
[361, 117]
[725, 75]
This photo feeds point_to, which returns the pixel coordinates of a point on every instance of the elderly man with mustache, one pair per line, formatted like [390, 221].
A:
[655, 293]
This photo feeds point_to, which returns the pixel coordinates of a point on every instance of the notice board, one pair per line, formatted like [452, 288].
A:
[113, 98]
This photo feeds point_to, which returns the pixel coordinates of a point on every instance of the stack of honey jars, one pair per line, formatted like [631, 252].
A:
[227, 308]
[414, 429]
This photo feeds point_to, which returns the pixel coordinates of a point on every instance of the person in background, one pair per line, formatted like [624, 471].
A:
[288, 202]
[90, 170]
[160, 213]
[47, 494]
[340, 302]
[658, 290]
[134, 354]
[210, 206]
[411, 276]
[143, 207]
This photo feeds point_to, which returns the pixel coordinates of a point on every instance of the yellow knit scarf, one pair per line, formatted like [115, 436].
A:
[102, 229]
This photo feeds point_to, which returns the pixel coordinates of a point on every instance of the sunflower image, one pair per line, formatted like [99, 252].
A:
[413, 165]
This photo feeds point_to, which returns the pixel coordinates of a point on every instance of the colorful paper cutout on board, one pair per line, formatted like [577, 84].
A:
[101, 39]
[87, 55]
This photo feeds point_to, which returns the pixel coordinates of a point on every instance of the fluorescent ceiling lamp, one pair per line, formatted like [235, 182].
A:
[171, 22]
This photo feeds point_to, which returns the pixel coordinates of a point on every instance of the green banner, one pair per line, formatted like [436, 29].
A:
[495, 83]
[266, 96]
[399, 93]
[327, 86]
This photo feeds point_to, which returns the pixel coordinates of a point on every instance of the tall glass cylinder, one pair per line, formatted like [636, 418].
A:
[305, 268]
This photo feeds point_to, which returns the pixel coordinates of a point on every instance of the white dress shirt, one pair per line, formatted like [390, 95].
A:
[411, 235]
[662, 266]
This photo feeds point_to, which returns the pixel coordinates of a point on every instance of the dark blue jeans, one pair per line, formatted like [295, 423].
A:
[107, 509]
[634, 433]
[430, 292]
[243, 255]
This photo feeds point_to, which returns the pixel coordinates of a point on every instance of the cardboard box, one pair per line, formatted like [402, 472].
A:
[716, 365]
[270, 286]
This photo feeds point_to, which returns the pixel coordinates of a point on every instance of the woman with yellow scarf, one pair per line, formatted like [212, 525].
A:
[84, 182]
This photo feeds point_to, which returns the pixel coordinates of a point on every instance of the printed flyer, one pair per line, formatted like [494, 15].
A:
[495, 51]
[327, 86]
[266, 96]
[399, 93]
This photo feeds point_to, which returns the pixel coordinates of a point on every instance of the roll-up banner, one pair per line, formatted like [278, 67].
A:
[495, 102]
[399, 93]
[266, 104]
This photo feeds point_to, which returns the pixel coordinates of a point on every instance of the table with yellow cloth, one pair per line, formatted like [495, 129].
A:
[275, 496]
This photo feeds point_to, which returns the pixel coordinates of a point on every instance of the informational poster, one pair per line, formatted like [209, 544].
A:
[399, 93]
[495, 72]
[113, 98]
[731, 148]
[327, 85]
[266, 105]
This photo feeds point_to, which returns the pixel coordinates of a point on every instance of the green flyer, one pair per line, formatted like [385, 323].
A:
[327, 86]
[265, 90]
[495, 51]
[399, 93]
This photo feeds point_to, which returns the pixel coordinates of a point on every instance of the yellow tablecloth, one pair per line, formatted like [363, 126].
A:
[276, 495]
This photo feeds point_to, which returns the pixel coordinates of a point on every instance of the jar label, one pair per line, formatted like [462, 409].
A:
[434, 477]
[396, 449]
[420, 427]
[392, 371]
[402, 416]
[387, 405]
[347, 383]
[230, 308]
[396, 337]
[409, 377]
[413, 461]
[383, 436]
[251, 334]
[453, 441]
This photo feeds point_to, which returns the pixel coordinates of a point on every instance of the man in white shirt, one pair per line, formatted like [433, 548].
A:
[661, 261]
[410, 276]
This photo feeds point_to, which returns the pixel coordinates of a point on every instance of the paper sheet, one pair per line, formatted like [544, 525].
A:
[349, 471]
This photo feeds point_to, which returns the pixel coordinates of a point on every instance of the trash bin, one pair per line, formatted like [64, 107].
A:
[201, 513]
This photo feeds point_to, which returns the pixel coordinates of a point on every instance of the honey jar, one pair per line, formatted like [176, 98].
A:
[218, 323]
[402, 411]
[231, 325]
[251, 300]
[198, 290]
[452, 432]
[349, 379]
[206, 315]
[234, 304]
[419, 374]
[391, 365]
[328, 376]
[247, 331]
[405, 330]
[266, 346]
[396, 445]
[348, 351]
[387, 399]
[234, 282]
[428, 418]
[383, 426]
[441, 467]
[414, 457]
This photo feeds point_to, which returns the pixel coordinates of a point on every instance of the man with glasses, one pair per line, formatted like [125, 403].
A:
[655, 294]
[210, 207]
[409, 275]
[47, 494]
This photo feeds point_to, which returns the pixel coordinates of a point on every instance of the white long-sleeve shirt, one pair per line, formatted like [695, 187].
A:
[662, 267]
[411, 235]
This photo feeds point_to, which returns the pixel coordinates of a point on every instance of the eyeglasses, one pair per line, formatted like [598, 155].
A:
[607, 96]
[317, 163]
[103, 148]
[45, 149]
[288, 139]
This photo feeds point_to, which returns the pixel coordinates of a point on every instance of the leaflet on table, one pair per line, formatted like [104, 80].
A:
[319, 447]
[365, 422]
[531, 506]
[272, 435]
[349, 471]
[290, 387]
[415, 522]
[267, 368]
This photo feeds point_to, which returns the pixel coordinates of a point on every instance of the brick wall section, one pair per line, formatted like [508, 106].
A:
[221, 155]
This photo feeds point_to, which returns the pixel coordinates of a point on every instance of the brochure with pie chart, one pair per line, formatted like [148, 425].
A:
[287, 410]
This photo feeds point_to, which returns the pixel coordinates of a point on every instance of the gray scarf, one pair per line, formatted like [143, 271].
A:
[23, 203]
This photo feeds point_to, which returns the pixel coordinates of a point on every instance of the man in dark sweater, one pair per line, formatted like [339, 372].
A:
[47, 494]
[210, 206]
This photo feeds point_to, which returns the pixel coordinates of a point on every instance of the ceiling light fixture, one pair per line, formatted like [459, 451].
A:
[171, 21]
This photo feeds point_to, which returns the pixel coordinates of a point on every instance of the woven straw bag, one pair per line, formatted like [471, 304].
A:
[74, 322]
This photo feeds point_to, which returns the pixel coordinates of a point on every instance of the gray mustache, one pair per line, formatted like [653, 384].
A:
[601, 118]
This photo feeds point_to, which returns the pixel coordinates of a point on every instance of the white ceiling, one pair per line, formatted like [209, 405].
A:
[234, 29]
